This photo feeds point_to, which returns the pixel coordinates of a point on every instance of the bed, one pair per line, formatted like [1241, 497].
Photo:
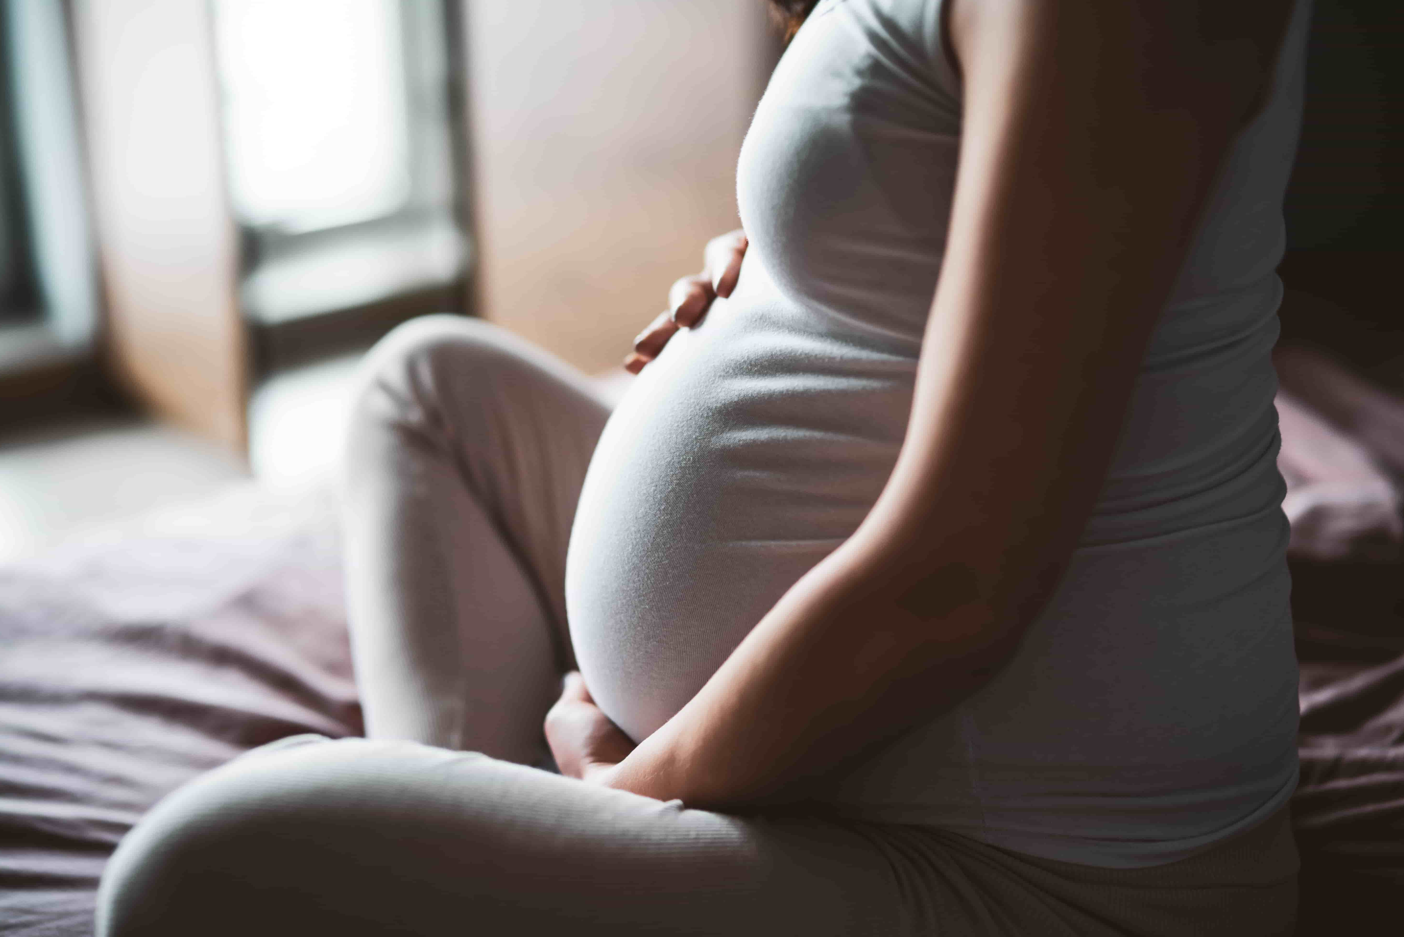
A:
[133, 661]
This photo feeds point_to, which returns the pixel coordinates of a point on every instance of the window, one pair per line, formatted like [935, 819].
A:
[340, 152]
[18, 302]
[48, 292]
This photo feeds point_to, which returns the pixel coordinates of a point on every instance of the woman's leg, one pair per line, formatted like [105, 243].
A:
[358, 837]
[467, 451]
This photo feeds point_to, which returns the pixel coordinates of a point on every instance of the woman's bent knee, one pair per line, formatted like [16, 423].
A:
[426, 337]
[433, 353]
[433, 373]
[214, 856]
[298, 835]
[183, 866]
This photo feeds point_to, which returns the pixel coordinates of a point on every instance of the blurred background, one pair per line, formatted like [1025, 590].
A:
[210, 208]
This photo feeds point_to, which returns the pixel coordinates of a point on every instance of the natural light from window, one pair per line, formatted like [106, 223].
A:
[316, 110]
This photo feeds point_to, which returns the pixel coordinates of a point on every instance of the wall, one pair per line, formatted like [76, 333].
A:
[169, 253]
[604, 144]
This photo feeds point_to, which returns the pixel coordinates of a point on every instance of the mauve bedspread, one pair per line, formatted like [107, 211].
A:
[134, 661]
[1349, 806]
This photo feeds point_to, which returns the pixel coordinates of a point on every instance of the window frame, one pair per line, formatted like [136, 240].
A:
[427, 225]
[46, 199]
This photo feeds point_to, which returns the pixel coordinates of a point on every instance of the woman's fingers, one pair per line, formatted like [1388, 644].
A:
[582, 738]
[726, 280]
[689, 299]
[651, 340]
[573, 688]
[723, 258]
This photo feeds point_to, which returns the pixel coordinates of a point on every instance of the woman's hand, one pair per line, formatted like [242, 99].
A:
[691, 297]
[585, 743]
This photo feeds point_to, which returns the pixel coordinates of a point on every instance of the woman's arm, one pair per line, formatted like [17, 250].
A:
[1092, 134]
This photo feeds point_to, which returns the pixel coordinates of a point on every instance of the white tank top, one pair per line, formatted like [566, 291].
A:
[1151, 710]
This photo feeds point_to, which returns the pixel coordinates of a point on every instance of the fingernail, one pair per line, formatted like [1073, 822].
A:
[685, 315]
[634, 363]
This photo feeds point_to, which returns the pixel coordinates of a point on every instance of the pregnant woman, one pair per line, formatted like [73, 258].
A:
[932, 583]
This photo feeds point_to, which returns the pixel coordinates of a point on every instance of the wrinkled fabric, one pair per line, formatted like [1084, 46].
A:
[1349, 807]
[132, 661]
[1340, 446]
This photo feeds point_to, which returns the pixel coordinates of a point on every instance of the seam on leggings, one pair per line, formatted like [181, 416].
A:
[455, 708]
[557, 631]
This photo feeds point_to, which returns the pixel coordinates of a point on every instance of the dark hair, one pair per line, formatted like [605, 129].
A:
[791, 13]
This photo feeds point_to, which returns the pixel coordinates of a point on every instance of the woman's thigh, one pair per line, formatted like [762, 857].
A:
[467, 451]
[360, 837]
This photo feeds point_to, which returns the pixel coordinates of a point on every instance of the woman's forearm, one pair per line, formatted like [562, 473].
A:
[843, 660]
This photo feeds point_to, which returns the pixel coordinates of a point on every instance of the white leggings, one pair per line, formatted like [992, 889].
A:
[465, 462]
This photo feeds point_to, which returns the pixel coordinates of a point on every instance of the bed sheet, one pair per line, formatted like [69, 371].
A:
[139, 658]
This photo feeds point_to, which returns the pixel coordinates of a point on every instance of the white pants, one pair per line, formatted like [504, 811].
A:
[467, 451]
[465, 462]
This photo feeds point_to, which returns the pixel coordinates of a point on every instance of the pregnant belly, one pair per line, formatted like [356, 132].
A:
[749, 450]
